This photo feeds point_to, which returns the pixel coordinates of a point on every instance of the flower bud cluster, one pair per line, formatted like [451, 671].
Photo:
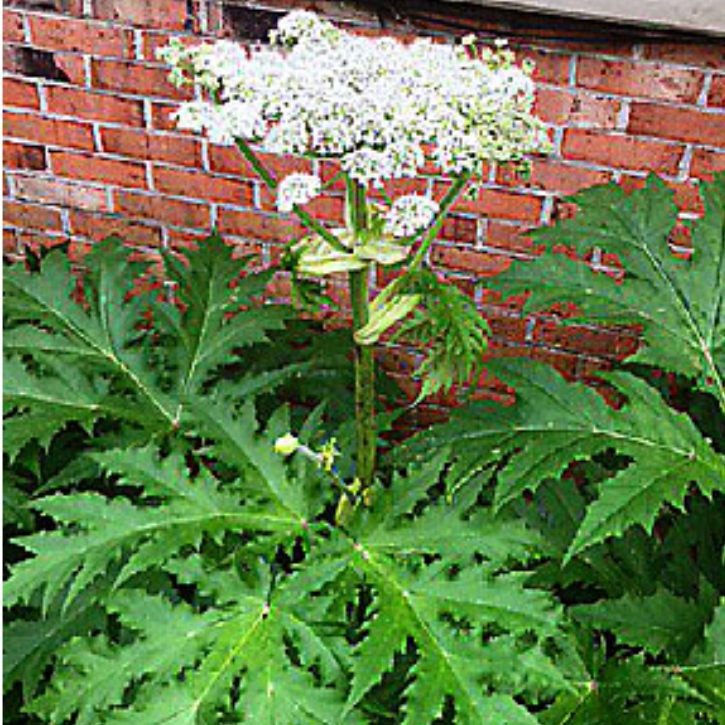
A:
[384, 108]
[297, 189]
[409, 214]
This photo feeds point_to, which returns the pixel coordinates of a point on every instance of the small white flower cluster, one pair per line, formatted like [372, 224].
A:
[297, 189]
[409, 214]
[382, 107]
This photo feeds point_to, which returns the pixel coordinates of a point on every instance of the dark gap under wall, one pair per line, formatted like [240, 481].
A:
[245, 23]
[458, 18]
[50, 6]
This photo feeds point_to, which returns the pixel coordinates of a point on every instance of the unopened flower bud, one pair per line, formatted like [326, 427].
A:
[286, 444]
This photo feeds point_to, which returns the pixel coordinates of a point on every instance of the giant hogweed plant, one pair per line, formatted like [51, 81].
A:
[382, 110]
[182, 571]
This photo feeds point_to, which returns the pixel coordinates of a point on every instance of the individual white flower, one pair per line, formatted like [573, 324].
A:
[286, 445]
[409, 214]
[297, 189]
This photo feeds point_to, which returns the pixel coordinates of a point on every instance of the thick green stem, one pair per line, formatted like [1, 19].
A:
[448, 201]
[366, 435]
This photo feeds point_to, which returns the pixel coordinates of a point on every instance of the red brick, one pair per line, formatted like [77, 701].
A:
[550, 67]
[586, 340]
[583, 110]
[550, 175]
[647, 80]
[153, 41]
[507, 236]
[60, 193]
[461, 229]
[180, 241]
[229, 160]
[477, 263]
[403, 187]
[160, 14]
[13, 31]
[20, 94]
[135, 78]
[716, 97]
[23, 156]
[180, 150]
[679, 124]
[500, 204]
[93, 168]
[31, 216]
[707, 54]
[49, 131]
[705, 163]
[203, 186]
[80, 36]
[504, 325]
[73, 67]
[162, 209]
[621, 152]
[161, 116]
[258, 226]
[326, 208]
[62, 7]
[94, 106]
[98, 227]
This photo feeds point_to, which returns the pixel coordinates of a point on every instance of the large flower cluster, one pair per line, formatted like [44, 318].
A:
[382, 107]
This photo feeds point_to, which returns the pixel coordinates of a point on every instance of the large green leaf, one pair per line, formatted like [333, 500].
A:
[442, 607]
[661, 622]
[678, 303]
[217, 319]
[96, 531]
[245, 637]
[235, 440]
[555, 423]
[101, 333]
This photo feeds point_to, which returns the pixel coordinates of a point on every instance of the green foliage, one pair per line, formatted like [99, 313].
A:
[560, 561]
[629, 497]
[170, 567]
[97, 361]
[451, 331]
[555, 423]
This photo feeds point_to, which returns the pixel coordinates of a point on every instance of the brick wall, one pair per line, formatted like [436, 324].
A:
[90, 148]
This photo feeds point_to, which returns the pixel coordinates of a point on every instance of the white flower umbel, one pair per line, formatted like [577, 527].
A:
[297, 189]
[382, 107]
[410, 214]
